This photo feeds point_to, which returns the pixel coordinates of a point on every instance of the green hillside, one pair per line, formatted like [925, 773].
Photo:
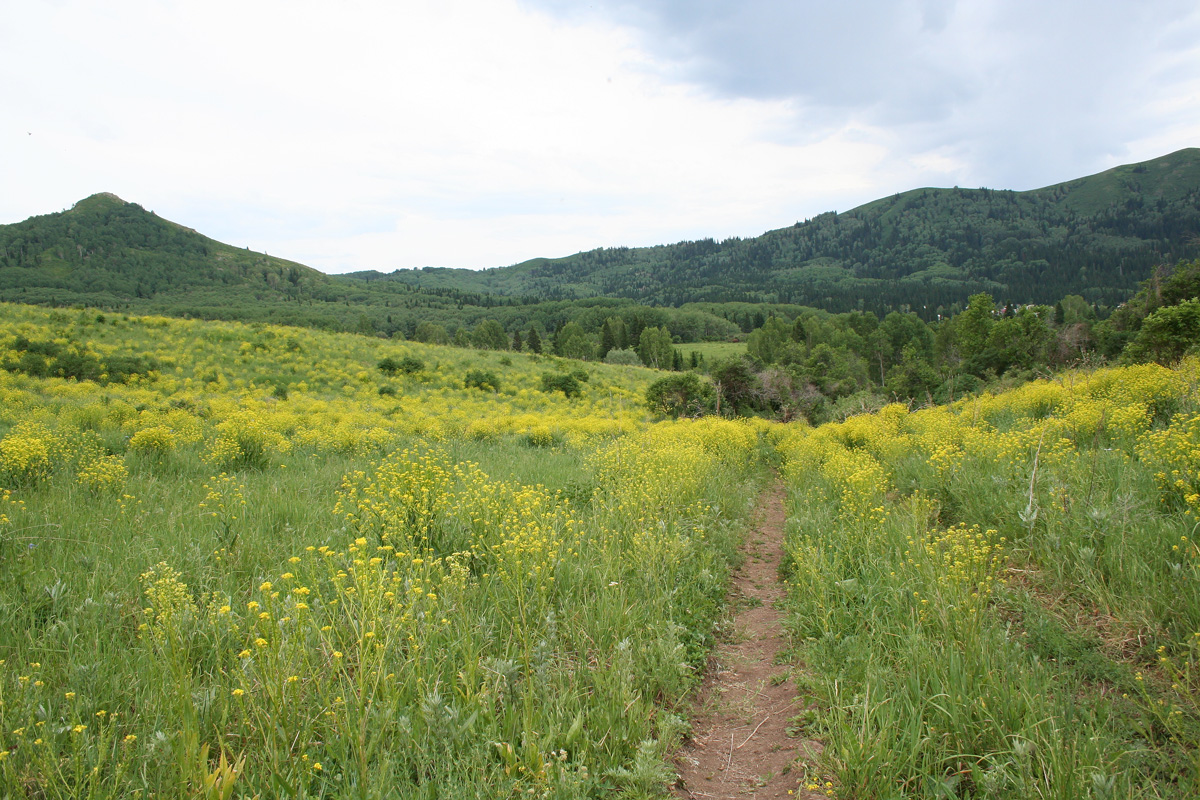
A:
[107, 253]
[1096, 236]
[925, 250]
[106, 244]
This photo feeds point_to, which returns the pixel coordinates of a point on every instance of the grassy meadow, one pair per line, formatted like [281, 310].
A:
[712, 351]
[256, 561]
[1001, 598]
[267, 568]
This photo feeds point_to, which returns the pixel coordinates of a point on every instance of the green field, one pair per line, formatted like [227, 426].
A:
[257, 561]
[712, 351]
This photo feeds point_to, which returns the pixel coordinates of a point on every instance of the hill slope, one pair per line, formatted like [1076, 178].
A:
[925, 249]
[108, 253]
[1096, 236]
[107, 246]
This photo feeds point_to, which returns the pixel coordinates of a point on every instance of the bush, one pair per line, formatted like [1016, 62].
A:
[680, 395]
[568, 384]
[121, 368]
[485, 380]
[627, 358]
[408, 365]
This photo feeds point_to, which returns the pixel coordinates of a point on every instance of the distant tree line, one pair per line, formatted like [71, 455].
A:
[822, 366]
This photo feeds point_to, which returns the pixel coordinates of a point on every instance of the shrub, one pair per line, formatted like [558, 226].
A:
[568, 384]
[484, 380]
[410, 364]
[121, 368]
[627, 358]
[157, 440]
[680, 395]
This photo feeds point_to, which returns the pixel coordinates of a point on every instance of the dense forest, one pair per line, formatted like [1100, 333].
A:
[826, 366]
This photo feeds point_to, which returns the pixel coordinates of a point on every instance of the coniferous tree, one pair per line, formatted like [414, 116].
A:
[555, 340]
[608, 340]
[533, 340]
[621, 334]
[798, 332]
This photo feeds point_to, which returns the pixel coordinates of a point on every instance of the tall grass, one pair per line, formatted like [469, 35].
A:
[1002, 598]
[208, 590]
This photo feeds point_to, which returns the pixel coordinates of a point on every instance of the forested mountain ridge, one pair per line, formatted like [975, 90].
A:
[925, 250]
[108, 253]
[1096, 236]
[103, 244]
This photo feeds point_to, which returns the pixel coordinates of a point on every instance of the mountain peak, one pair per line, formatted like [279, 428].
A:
[98, 200]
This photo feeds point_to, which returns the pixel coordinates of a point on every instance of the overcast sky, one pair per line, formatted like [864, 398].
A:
[479, 133]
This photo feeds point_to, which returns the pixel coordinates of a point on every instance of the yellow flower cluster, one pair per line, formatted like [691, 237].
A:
[522, 529]
[9, 508]
[25, 453]
[103, 474]
[1174, 452]
[225, 498]
[246, 438]
[170, 603]
[156, 439]
[967, 562]
[666, 465]
[404, 499]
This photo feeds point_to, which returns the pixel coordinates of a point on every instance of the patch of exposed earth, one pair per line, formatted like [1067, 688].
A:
[740, 747]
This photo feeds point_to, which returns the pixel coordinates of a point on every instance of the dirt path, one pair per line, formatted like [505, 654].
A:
[739, 746]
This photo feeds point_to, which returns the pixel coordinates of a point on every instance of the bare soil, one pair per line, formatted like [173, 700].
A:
[740, 746]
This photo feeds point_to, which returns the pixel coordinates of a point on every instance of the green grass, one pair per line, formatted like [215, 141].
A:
[1051, 651]
[712, 351]
[445, 592]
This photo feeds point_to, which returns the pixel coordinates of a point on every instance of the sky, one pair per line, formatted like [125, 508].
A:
[479, 133]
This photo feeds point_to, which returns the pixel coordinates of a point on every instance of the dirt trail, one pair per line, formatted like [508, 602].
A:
[739, 746]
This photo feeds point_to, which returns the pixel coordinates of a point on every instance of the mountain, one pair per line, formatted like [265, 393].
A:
[1097, 236]
[926, 250]
[104, 246]
[107, 253]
